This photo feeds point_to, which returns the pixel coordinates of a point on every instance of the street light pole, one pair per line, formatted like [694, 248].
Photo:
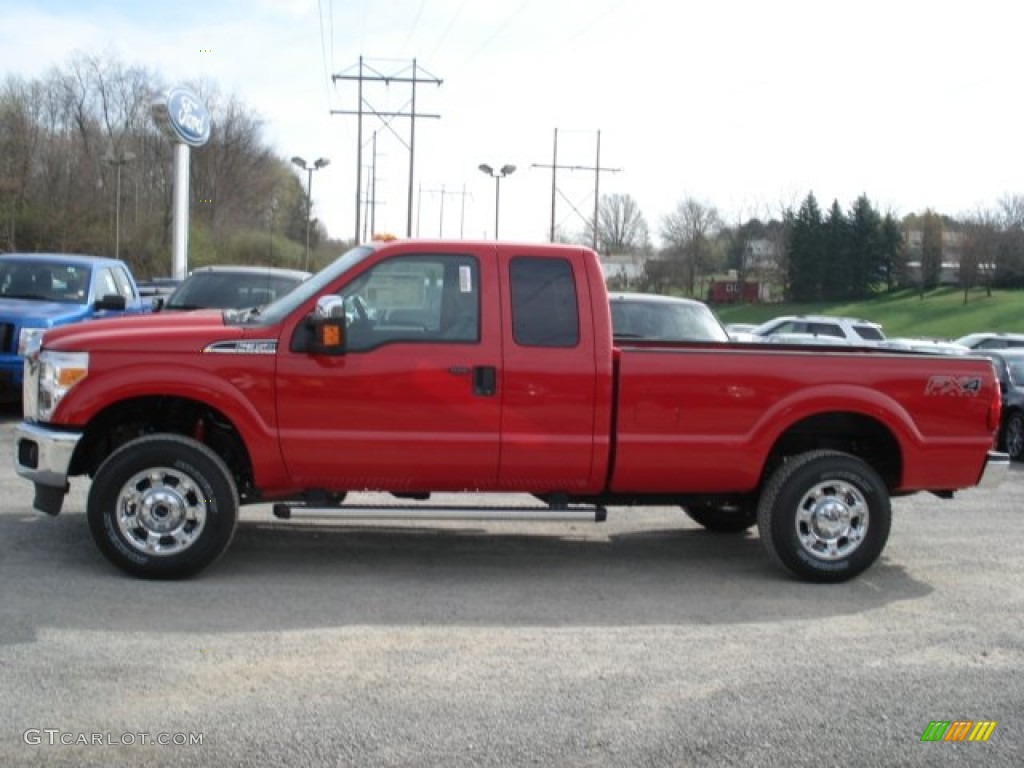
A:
[301, 163]
[505, 170]
[119, 160]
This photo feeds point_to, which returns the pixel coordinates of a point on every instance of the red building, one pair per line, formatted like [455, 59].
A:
[730, 292]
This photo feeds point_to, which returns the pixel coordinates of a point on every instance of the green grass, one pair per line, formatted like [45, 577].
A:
[940, 314]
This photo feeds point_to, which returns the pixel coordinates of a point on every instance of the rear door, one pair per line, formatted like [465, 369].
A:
[549, 377]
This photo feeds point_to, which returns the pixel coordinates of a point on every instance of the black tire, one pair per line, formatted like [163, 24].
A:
[162, 507]
[1013, 435]
[723, 518]
[824, 516]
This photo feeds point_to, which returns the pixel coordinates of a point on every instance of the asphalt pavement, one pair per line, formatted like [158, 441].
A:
[642, 641]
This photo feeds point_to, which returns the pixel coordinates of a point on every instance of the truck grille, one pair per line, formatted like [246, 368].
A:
[7, 341]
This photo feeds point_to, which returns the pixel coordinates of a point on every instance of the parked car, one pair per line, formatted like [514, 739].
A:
[822, 329]
[651, 317]
[992, 340]
[158, 286]
[39, 291]
[231, 287]
[737, 330]
[1009, 365]
[934, 346]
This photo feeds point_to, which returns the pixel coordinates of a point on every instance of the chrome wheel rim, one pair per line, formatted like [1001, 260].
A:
[161, 511]
[832, 520]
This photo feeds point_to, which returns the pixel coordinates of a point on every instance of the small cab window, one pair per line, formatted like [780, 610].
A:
[544, 309]
[123, 283]
[430, 298]
[106, 285]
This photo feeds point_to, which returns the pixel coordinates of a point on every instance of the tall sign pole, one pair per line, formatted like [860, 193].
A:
[186, 121]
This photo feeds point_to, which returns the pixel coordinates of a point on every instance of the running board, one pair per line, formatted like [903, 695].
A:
[355, 512]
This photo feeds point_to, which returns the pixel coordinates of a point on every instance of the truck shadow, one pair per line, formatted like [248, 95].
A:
[278, 576]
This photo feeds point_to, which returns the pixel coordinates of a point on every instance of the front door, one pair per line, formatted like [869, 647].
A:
[412, 405]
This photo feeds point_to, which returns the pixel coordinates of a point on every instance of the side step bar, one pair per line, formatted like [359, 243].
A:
[356, 512]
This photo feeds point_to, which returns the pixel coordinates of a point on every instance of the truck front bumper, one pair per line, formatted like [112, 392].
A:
[43, 455]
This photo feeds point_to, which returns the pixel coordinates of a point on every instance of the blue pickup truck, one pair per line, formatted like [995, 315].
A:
[43, 290]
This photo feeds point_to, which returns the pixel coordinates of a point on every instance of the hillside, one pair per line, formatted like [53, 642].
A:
[940, 313]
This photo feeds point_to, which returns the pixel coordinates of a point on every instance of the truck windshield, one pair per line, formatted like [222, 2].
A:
[278, 310]
[44, 281]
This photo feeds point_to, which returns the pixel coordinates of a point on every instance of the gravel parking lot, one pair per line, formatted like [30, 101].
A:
[639, 641]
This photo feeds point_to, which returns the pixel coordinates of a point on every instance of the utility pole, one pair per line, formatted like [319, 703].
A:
[596, 168]
[369, 74]
[445, 193]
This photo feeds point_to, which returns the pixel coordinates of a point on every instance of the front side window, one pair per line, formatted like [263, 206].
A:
[124, 284]
[544, 309]
[105, 284]
[433, 298]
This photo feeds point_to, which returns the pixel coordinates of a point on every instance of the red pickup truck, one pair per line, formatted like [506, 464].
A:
[425, 366]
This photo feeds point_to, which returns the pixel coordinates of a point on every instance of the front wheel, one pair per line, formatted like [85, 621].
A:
[824, 516]
[1013, 435]
[162, 507]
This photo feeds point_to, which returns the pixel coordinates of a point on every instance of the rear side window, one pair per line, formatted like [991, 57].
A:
[869, 332]
[544, 310]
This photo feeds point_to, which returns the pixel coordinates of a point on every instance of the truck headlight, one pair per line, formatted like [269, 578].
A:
[29, 340]
[53, 374]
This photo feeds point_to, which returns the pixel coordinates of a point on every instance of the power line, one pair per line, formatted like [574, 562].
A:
[596, 168]
[369, 74]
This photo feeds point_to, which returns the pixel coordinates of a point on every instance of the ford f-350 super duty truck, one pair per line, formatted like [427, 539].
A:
[415, 367]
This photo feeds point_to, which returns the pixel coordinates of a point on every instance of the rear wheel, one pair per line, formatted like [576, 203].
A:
[162, 507]
[1013, 435]
[824, 516]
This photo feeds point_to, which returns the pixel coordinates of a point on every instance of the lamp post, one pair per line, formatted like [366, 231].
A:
[118, 160]
[498, 175]
[301, 163]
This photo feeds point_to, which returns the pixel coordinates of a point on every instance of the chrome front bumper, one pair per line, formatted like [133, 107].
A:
[996, 466]
[43, 456]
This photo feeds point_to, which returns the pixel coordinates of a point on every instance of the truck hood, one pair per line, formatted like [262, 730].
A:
[187, 332]
[40, 313]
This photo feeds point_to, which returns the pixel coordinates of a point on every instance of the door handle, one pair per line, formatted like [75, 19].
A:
[485, 380]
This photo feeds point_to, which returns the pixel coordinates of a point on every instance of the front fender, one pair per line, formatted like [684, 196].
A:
[246, 399]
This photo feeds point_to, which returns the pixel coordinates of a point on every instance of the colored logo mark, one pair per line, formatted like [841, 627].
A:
[958, 730]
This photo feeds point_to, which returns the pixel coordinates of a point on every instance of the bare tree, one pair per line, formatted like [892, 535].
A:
[688, 232]
[621, 227]
[1010, 260]
[979, 251]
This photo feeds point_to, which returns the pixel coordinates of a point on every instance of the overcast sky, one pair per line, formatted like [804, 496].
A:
[747, 105]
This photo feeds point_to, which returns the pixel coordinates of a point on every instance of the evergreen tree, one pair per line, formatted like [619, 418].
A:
[931, 250]
[837, 268]
[891, 253]
[864, 249]
[805, 252]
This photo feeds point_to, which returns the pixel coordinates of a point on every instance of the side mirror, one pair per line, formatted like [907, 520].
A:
[112, 301]
[157, 303]
[328, 324]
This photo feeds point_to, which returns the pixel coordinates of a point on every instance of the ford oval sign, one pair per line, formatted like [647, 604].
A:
[187, 117]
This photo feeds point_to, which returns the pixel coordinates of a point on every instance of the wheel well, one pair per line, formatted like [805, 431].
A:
[852, 433]
[126, 420]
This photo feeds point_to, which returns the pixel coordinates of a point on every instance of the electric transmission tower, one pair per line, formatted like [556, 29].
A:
[370, 74]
